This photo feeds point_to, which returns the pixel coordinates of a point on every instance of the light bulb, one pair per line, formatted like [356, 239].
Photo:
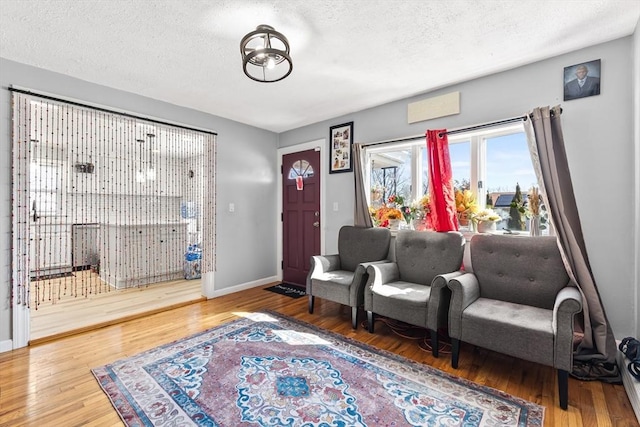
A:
[271, 63]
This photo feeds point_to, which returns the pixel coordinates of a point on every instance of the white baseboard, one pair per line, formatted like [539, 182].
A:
[6, 345]
[244, 286]
[631, 385]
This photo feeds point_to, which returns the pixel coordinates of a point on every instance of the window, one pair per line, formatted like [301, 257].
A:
[300, 168]
[391, 173]
[493, 163]
[45, 188]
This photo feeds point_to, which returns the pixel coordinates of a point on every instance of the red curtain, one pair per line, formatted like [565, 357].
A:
[441, 193]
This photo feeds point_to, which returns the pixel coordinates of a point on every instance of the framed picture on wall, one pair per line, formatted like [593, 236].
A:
[340, 141]
[582, 80]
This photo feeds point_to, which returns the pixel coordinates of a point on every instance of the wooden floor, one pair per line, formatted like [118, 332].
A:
[50, 384]
[69, 305]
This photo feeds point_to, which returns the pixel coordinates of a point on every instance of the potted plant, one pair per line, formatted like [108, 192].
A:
[466, 206]
[485, 220]
[393, 216]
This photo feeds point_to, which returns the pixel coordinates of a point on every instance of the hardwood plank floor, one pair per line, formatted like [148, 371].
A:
[69, 305]
[50, 384]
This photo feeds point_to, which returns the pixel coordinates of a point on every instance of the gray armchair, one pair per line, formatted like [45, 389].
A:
[413, 289]
[516, 299]
[341, 277]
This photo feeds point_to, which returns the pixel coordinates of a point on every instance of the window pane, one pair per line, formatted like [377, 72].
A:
[44, 177]
[460, 153]
[390, 174]
[425, 171]
[509, 166]
[43, 203]
[300, 168]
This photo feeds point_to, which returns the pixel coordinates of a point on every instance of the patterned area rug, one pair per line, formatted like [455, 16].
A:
[269, 370]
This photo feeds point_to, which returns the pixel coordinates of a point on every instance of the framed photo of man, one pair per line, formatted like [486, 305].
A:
[582, 80]
[341, 141]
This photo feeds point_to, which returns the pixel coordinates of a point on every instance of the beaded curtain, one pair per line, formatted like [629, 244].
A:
[105, 200]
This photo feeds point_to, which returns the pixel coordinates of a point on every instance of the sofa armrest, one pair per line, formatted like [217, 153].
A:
[360, 279]
[568, 304]
[439, 301]
[379, 273]
[465, 289]
[321, 264]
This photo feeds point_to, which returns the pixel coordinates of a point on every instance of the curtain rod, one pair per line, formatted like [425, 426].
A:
[391, 141]
[484, 125]
[106, 110]
[491, 124]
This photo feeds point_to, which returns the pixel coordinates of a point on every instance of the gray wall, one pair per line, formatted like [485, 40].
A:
[246, 176]
[599, 137]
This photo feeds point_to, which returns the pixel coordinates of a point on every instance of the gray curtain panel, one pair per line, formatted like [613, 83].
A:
[361, 216]
[546, 144]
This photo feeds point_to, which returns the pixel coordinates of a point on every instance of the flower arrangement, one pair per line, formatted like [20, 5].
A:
[421, 206]
[421, 213]
[384, 214]
[395, 208]
[465, 201]
[485, 220]
[536, 211]
[534, 201]
[393, 213]
[466, 205]
[395, 200]
[408, 213]
[485, 215]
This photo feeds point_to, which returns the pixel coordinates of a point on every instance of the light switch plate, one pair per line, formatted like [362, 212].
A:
[232, 207]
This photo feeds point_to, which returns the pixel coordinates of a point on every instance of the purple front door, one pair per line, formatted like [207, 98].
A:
[300, 213]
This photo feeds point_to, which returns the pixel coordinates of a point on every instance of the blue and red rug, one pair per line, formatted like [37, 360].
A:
[266, 369]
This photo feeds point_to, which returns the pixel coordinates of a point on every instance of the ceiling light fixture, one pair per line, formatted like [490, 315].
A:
[265, 55]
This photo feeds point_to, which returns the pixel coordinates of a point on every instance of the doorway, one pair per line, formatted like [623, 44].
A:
[105, 202]
[300, 214]
[307, 239]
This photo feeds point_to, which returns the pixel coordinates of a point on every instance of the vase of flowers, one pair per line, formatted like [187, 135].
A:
[466, 206]
[408, 213]
[536, 212]
[485, 220]
[386, 216]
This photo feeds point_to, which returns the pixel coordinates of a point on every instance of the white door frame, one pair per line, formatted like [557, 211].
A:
[318, 145]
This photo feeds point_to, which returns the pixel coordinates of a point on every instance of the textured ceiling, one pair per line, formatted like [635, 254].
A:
[348, 55]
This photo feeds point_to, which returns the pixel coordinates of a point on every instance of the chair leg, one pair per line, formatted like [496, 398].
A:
[455, 352]
[311, 301]
[563, 388]
[434, 343]
[354, 317]
[370, 321]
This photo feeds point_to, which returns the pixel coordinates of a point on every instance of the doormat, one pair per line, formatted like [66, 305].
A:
[266, 369]
[287, 289]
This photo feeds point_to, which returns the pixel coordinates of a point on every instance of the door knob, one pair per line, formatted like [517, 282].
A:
[316, 224]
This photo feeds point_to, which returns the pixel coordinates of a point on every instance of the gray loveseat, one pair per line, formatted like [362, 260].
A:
[516, 298]
[410, 289]
[341, 277]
